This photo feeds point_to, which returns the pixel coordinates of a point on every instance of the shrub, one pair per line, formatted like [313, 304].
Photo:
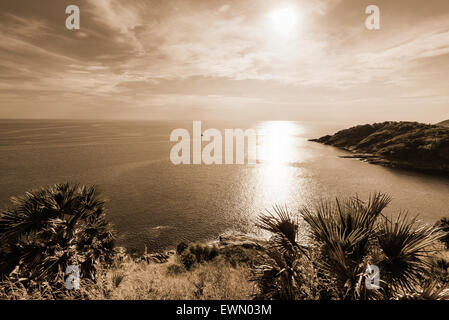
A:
[181, 247]
[343, 231]
[283, 276]
[347, 236]
[405, 260]
[50, 228]
[443, 224]
[237, 255]
[439, 269]
[188, 260]
[175, 269]
[198, 253]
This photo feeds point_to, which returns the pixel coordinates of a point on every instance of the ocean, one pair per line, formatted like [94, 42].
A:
[157, 204]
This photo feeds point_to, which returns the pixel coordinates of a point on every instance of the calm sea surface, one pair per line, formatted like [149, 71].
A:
[155, 203]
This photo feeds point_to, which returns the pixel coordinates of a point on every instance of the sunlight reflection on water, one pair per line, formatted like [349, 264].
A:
[154, 203]
[278, 148]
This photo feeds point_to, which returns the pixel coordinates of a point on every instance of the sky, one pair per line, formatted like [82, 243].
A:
[225, 59]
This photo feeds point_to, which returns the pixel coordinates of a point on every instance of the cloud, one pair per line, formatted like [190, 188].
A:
[25, 27]
[137, 52]
[82, 34]
[200, 43]
[324, 6]
[432, 44]
[224, 8]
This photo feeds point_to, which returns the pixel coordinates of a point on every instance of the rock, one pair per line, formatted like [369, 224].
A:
[407, 145]
[155, 258]
[444, 123]
[170, 253]
[244, 241]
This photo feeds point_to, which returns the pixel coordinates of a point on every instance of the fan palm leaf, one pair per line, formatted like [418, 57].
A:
[405, 245]
[343, 230]
[51, 227]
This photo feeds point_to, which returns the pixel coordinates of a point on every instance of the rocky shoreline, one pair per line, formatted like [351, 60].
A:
[375, 159]
[403, 145]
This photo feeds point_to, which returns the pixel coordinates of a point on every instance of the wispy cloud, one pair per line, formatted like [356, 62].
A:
[128, 52]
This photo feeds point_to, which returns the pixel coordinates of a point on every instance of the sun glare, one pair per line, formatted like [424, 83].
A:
[284, 20]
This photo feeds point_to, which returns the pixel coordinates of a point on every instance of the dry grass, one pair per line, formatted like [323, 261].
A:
[216, 280]
[226, 277]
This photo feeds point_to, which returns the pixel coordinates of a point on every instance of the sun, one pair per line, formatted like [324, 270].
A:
[284, 20]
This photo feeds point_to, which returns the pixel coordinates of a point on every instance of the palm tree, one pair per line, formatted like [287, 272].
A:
[405, 249]
[343, 232]
[283, 276]
[50, 228]
[346, 237]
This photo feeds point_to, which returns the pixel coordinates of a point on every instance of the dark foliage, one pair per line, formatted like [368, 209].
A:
[443, 224]
[181, 247]
[346, 237]
[198, 253]
[48, 229]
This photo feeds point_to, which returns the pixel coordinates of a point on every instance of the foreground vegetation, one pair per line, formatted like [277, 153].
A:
[48, 229]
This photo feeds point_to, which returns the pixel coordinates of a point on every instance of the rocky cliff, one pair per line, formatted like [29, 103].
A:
[409, 145]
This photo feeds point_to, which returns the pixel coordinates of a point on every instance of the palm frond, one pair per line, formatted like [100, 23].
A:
[343, 229]
[405, 245]
[49, 227]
